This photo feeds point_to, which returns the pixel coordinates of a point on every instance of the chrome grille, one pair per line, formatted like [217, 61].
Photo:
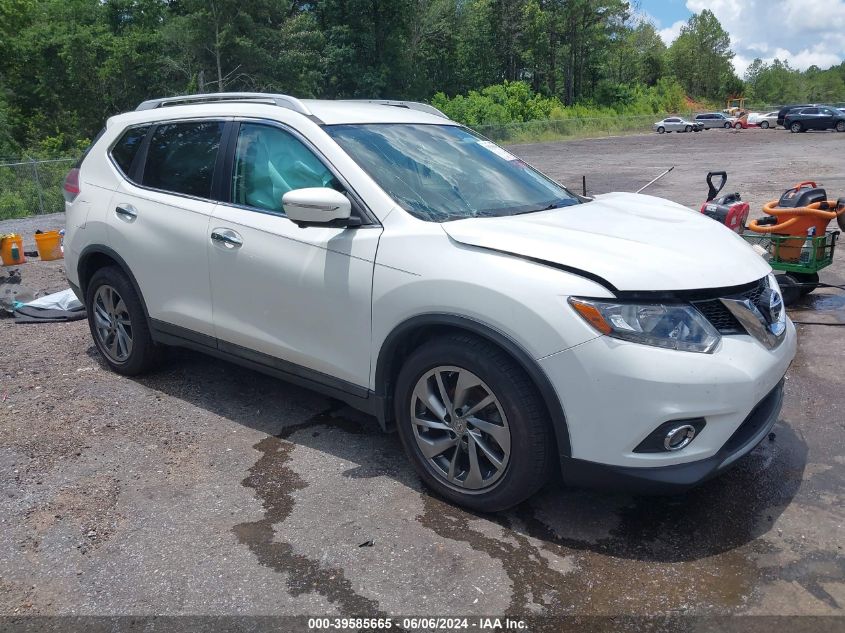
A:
[721, 318]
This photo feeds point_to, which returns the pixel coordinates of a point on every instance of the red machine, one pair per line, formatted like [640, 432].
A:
[729, 210]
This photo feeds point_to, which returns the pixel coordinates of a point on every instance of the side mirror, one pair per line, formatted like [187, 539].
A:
[317, 206]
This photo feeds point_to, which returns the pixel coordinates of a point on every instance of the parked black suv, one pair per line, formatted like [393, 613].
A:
[815, 118]
[789, 108]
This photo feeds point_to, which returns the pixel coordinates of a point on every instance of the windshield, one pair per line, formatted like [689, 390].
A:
[444, 172]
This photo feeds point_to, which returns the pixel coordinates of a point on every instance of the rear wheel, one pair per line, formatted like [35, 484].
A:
[661, 130]
[764, 125]
[796, 127]
[840, 126]
[118, 323]
[473, 423]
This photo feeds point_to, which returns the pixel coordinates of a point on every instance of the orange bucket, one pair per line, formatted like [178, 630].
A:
[11, 249]
[49, 245]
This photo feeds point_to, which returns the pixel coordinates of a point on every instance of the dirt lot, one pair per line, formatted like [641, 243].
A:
[209, 489]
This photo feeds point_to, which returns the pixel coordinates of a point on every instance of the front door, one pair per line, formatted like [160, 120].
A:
[301, 295]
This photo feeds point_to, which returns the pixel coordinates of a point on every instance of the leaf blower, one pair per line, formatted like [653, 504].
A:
[729, 209]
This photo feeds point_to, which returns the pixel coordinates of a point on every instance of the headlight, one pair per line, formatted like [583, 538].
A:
[679, 327]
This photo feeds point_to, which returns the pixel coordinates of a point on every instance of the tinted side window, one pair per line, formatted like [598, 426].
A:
[269, 162]
[181, 157]
[125, 150]
[807, 111]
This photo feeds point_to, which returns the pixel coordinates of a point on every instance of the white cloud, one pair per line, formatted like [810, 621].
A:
[669, 34]
[802, 32]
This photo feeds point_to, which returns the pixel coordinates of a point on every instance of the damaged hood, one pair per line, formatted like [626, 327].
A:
[633, 241]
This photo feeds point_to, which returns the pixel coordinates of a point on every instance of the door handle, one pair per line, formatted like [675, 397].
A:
[227, 238]
[126, 211]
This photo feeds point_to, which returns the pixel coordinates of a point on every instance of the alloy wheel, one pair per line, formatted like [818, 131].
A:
[112, 324]
[460, 428]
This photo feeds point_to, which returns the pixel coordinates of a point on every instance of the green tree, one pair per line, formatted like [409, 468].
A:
[700, 57]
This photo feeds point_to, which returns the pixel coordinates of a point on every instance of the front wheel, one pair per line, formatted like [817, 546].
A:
[661, 130]
[796, 127]
[737, 126]
[728, 125]
[840, 126]
[118, 324]
[688, 128]
[473, 424]
[764, 125]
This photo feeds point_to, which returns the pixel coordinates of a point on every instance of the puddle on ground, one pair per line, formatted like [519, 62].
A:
[569, 551]
[273, 482]
[819, 306]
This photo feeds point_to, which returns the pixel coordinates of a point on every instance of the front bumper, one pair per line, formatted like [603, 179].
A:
[615, 394]
[679, 477]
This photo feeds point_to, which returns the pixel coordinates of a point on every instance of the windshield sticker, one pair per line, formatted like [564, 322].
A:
[498, 151]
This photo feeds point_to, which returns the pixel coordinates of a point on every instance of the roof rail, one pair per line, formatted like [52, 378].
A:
[411, 105]
[283, 101]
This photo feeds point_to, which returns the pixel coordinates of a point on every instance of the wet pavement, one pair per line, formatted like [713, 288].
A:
[209, 489]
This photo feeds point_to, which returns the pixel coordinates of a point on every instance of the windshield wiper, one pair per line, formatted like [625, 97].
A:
[557, 204]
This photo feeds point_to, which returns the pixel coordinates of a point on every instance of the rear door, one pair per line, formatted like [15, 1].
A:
[298, 299]
[158, 220]
[826, 118]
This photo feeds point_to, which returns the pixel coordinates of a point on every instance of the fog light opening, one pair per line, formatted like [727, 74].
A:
[678, 437]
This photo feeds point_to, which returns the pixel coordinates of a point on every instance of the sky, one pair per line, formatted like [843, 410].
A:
[803, 32]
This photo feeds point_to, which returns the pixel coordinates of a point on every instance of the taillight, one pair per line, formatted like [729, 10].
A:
[71, 187]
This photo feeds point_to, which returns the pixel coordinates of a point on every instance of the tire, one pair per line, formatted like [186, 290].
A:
[727, 125]
[764, 125]
[796, 127]
[840, 126]
[522, 441]
[661, 130]
[688, 128]
[806, 278]
[789, 288]
[737, 125]
[118, 324]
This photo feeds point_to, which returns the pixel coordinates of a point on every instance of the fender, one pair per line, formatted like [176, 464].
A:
[101, 249]
[385, 370]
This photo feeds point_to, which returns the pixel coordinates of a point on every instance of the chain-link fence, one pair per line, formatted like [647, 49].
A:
[29, 187]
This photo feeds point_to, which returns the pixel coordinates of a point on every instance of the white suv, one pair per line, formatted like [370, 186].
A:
[391, 258]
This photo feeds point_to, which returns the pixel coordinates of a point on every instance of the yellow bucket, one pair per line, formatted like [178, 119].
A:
[49, 245]
[11, 249]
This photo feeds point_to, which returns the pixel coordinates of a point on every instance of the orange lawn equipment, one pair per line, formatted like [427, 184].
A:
[800, 211]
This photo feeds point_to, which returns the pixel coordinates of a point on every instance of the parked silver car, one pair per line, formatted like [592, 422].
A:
[715, 119]
[677, 124]
[767, 120]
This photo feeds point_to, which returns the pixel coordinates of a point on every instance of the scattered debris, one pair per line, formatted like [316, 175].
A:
[59, 306]
[369, 543]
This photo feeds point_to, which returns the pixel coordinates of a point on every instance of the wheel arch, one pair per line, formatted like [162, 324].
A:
[98, 256]
[407, 336]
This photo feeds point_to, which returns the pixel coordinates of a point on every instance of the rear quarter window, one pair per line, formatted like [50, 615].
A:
[126, 149]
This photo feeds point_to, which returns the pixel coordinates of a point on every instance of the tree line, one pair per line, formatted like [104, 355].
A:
[65, 65]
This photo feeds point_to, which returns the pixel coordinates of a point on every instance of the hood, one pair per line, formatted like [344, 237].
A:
[634, 242]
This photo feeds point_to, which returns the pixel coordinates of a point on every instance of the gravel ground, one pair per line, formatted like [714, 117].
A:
[209, 489]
